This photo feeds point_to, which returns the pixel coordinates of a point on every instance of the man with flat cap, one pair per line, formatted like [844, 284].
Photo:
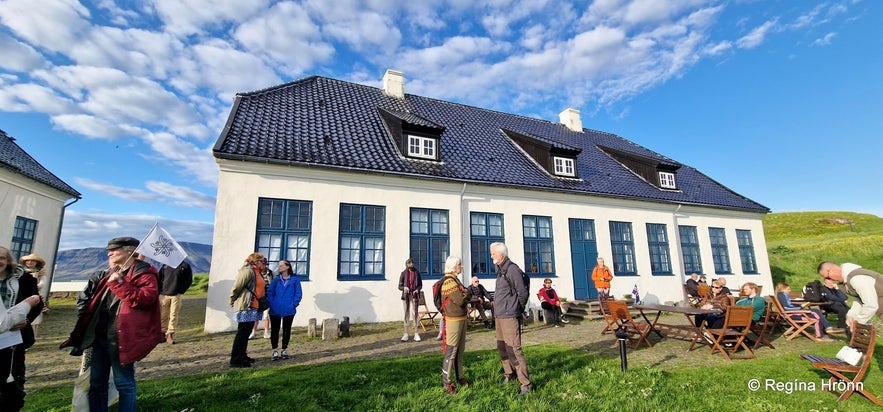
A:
[124, 298]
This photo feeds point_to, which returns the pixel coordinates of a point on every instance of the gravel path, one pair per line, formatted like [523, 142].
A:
[196, 352]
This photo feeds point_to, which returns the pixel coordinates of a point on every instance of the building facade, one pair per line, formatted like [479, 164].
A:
[32, 204]
[348, 181]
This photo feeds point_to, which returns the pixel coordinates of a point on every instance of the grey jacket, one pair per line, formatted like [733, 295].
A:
[509, 302]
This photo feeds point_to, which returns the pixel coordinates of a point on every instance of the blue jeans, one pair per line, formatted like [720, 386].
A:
[123, 378]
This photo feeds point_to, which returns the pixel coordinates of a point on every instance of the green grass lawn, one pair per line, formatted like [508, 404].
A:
[566, 379]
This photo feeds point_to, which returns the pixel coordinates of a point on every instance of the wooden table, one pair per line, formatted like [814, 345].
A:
[690, 332]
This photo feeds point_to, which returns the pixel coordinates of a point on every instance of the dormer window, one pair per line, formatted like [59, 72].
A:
[422, 147]
[667, 180]
[564, 166]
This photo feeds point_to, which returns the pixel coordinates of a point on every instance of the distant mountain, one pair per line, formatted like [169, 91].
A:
[78, 264]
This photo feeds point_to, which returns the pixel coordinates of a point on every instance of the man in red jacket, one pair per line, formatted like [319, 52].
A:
[119, 318]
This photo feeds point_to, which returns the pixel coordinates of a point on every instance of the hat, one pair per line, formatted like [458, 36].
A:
[119, 242]
[35, 257]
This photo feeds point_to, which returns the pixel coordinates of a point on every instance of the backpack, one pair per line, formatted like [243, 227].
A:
[524, 279]
[814, 292]
[437, 295]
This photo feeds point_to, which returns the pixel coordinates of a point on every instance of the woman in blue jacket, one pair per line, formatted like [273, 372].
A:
[285, 295]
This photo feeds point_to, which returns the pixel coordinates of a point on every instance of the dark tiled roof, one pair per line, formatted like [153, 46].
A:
[317, 121]
[14, 158]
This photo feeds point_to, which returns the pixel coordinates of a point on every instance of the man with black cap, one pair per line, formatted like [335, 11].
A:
[124, 298]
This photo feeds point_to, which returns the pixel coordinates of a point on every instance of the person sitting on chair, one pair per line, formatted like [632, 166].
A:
[481, 300]
[692, 288]
[783, 291]
[837, 305]
[549, 301]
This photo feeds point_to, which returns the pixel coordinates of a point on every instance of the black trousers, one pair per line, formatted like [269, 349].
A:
[286, 330]
[840, 309]
[240, 343]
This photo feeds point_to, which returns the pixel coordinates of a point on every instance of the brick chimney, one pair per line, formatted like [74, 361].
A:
[570, 118]
[394, 84]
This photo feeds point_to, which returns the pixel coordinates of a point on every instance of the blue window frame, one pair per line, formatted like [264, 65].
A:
[362, 235]
[539, 250]
[657, 240]
[23, 235]
[746, 251]
[719, 250]
[622, 242]
[283, 232]
[484, 229]
[690, 249]
[430, 241]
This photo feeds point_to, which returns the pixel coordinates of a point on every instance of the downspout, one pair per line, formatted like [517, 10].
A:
[464, 225]
[678, 242]
[55, 253]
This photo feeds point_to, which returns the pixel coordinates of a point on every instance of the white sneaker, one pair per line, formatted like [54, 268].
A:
[266, 334]
[405, 337]
[564, 319]
[252, 335]
[416, 337]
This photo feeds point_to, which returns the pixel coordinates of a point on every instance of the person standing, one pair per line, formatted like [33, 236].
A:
[36, 266]
[267, 274]
[16, 286]
[119, 318]
[481, 300]
[456, 298]
[863, 284]
[285, 295]
[602, 275]
[248, 288]
[411, 285]
[174, 281]
[510, 299]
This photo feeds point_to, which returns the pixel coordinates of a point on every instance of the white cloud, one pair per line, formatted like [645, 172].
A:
[32, 98]
[288, 36]
[186, 158]
[197, 16]
[40, 25]
[82, 230]
[756, 36]
[181, 196]
[136, 195]
[95, 127]
[826, 40]
[18, 56]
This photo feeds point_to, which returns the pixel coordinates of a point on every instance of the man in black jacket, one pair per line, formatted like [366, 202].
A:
[838, 302]
[481, 300]
[173, 283]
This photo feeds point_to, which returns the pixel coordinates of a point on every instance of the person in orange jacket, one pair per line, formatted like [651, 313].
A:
[602, 275]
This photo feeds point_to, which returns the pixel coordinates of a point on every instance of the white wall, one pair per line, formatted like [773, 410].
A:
[372, 301]
[25, 197]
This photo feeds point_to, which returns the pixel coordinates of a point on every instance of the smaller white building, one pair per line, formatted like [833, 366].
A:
[32, 205]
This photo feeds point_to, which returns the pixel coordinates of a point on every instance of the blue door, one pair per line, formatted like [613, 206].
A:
[583, 254]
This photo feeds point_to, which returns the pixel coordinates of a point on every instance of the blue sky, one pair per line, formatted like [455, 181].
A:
[778, 100]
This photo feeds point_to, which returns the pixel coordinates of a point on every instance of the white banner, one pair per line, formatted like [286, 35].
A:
[161, 247]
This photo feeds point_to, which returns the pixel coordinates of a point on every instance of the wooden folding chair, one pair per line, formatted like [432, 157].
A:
[798, 321]
[731, 337]
[864, 337]
[424, 315]
[763, 327]
[637, 331]
[605, 312]
[703, 291]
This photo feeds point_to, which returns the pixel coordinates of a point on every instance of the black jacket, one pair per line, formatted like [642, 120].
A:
[175, 281]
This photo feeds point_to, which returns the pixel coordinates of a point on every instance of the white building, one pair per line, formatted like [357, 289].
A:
[348, 181]
[32, 201]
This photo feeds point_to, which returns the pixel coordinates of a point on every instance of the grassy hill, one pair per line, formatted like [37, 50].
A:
[798, 241]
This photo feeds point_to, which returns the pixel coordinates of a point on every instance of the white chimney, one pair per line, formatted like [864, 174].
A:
[394, 84]
[570, 118]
